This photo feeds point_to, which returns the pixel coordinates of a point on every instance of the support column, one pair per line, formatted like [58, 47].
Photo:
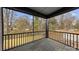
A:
[0, 29]
[47, 28]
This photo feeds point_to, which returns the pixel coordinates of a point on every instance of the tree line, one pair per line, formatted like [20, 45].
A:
[64, 22]
[13, 24]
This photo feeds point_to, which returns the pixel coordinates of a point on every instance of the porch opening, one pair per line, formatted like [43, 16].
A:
[25, 26]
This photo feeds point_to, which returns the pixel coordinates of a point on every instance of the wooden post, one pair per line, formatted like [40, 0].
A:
[0, 29]
[47, 28]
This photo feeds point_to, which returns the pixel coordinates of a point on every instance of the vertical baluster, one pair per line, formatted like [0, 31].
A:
[58, 36]
[11, 41]
[67, 38]
[77, 41]
[32, 37]
[70, 39]
[14, 40]
[3, 46]
[8, 41]
[28, 37]
[59, 39]
[5, 42]
[62, 37]
[73, 40]
[19, 39]
[55, 35]
[25, 37]
[22, 38]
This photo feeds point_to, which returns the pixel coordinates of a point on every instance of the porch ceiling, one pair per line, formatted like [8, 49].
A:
[45, 12]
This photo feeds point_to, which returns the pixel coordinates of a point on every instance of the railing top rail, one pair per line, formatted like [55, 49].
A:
[23, 33]
[68, 32]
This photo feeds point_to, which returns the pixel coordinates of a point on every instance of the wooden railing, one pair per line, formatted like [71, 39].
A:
[68, 38]
[18, 39]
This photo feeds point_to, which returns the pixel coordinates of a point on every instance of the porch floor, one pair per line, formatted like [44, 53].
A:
[44, 45]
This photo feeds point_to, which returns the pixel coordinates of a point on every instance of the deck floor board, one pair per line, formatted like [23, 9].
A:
[44, 45]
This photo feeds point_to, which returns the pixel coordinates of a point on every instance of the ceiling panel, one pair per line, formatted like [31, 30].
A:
[45, 10]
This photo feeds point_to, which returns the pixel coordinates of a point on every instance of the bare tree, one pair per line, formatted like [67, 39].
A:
[8, 17]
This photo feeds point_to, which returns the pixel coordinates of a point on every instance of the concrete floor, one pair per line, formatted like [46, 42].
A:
[44, 45]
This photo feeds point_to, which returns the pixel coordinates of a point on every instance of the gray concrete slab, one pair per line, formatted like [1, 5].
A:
[44, 45]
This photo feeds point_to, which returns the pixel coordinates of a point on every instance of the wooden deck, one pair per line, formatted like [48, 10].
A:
[44, 45]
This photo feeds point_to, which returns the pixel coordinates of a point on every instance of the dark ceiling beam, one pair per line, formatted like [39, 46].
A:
[27, 10]
[61, 11]
[35, 13]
